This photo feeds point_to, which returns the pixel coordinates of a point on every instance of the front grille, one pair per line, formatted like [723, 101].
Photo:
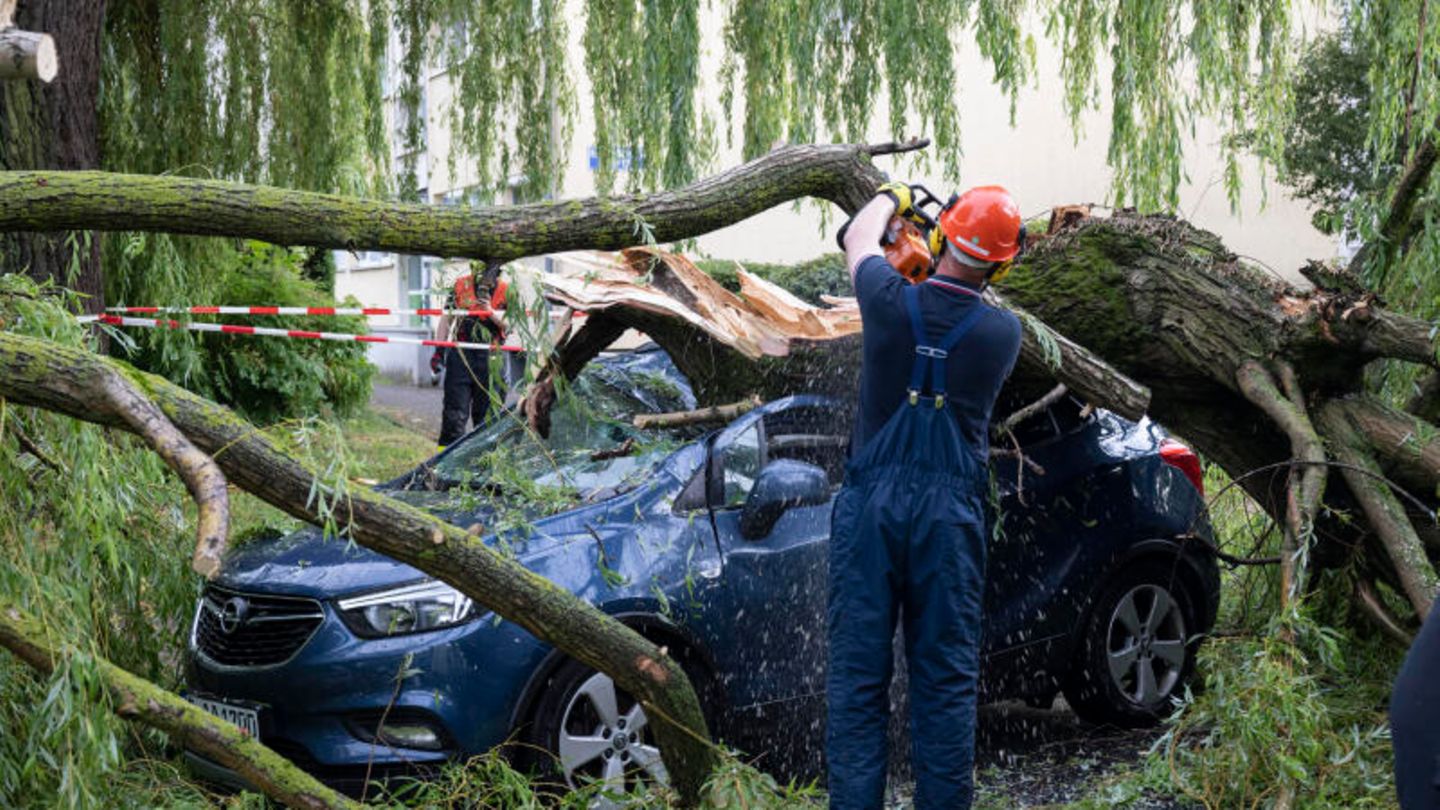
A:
[253, 630]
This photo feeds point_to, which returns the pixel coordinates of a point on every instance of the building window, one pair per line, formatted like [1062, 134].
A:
[471, 197]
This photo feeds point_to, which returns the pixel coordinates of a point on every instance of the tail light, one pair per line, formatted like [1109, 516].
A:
[1183, 459]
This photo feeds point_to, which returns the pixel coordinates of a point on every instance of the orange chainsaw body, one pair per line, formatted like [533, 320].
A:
[907, 250]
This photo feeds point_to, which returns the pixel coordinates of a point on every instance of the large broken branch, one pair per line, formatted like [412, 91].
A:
[27, 55]
[1307, 481]
[43, 374]
[137, 699]
[1383, 510]
[62, 201]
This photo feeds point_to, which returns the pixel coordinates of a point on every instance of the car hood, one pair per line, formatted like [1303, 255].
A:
[306, 563]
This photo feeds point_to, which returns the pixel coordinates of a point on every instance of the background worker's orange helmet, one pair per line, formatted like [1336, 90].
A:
[984, 222]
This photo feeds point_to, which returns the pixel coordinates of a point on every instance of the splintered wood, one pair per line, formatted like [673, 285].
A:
[761, 321]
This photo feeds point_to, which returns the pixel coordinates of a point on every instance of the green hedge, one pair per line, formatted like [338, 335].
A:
[825, 275]
[266, 378]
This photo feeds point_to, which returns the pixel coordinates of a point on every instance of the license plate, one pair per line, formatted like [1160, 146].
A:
[248, 720]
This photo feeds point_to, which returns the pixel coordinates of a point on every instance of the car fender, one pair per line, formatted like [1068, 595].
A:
[1190, 566]
[653, 626]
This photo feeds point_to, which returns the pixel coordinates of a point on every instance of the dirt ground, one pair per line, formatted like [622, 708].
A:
[1027, 757]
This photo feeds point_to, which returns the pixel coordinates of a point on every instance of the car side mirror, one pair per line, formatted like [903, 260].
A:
[783, 483]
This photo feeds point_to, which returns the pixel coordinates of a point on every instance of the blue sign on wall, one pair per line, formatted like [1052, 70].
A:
[622, 159]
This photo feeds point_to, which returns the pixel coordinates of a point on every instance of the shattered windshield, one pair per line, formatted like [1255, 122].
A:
[594, 450]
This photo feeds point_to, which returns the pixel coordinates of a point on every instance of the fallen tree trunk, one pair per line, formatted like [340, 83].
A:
[137, 699]
[1147, 313]
[47, 375]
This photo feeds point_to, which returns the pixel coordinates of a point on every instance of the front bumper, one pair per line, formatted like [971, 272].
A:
[314, 708]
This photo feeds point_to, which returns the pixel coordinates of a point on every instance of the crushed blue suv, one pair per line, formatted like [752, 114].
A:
[713, 544]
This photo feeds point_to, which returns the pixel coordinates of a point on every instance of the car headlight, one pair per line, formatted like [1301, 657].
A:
[409, 609]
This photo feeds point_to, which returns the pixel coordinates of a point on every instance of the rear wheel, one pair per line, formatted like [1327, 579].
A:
[1135, 653]
[593, 732]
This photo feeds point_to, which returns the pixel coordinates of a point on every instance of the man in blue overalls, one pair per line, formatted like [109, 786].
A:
[908, 533]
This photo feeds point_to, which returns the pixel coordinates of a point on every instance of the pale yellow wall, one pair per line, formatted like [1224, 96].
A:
[372, 286]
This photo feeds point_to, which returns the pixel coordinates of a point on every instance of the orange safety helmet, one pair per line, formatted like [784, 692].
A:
[984, 223]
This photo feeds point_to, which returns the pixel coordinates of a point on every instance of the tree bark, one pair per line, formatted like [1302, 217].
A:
[51, 201]
[47, 375]
[700, 416]
[139, 700]
[56, 126]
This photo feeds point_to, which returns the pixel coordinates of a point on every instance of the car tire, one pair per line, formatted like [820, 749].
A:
[586, 729]
[1135, 651]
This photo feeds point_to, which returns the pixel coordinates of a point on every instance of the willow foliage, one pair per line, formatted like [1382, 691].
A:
[299, 93]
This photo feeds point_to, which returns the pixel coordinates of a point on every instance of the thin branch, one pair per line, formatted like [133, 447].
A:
[1225, 556]
[714, 413]
[28, 445]
[1021, 414]
[896, 148]
[201, 475]
[1375, 609]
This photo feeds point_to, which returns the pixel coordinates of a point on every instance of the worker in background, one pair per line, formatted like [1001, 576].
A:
[467, 371]
[908, 530]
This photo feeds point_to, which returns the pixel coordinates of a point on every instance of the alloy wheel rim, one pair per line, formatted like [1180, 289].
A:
[605, 737]
[1145, 645]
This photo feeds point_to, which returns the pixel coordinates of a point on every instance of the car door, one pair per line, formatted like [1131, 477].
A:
[770, 644]
[1043, 528]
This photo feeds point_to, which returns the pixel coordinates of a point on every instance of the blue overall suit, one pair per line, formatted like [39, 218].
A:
[908, 530]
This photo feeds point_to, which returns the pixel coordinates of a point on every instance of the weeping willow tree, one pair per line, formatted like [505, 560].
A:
[295, 94]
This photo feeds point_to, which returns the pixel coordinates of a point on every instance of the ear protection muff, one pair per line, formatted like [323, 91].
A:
[1002, 269]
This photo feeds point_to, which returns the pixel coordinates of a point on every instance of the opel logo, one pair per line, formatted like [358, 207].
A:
[233, 614]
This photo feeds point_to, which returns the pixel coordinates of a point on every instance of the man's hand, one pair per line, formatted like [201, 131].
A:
[903, 197]
[437, 361]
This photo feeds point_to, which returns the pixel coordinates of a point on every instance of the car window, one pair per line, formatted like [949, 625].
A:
[814, 435]
[742, 462]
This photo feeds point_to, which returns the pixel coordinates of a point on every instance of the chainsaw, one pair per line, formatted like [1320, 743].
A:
[908, 241]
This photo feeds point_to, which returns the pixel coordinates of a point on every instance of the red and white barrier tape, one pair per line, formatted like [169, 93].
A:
[236, 329]
[242, 310]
